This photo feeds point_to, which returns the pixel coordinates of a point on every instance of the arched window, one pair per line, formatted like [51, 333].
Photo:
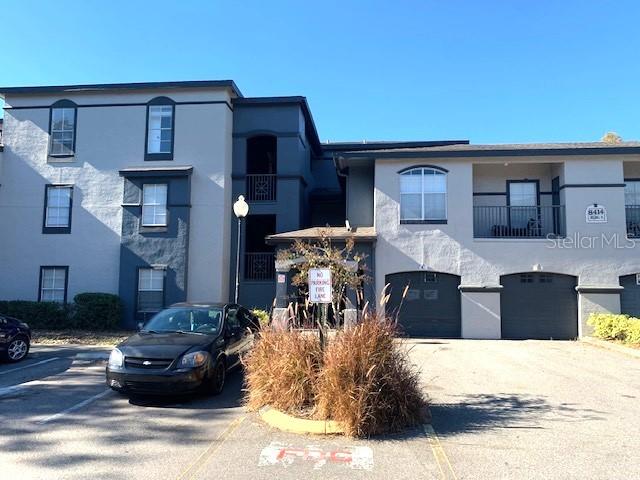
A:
[62, 128]
[423, 195]
[160, 123]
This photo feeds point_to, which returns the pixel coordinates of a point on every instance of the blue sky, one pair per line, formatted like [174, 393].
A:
[490, 71]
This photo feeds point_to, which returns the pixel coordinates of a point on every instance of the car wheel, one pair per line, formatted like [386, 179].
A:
[17, 349]
[218, 378]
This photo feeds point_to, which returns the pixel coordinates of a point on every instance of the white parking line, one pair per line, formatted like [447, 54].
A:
[7, 390]
[41, 362]
[72, 409]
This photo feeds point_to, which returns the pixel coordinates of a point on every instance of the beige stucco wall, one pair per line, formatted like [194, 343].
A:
[451, 248]
[107, 140]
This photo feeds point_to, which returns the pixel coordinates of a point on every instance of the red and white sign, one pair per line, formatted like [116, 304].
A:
[320, 285]
[355, 457]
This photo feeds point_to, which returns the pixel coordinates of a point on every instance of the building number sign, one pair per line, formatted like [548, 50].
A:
[596, 214]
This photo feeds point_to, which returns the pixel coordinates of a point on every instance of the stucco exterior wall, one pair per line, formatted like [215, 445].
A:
[596, 253]
[109, 138]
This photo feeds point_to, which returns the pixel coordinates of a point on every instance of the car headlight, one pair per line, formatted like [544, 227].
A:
[194, 359]
[116, 359]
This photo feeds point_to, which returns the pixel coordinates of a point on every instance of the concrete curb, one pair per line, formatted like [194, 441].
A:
[92, 356]
[302, 426]
[596, 342]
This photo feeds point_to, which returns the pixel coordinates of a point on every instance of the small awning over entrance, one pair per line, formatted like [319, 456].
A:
[358, 234]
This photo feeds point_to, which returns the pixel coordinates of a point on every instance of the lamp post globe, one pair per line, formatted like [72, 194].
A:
[241, 210]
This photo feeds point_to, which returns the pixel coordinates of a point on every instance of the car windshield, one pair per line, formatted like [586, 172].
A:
[205, 320]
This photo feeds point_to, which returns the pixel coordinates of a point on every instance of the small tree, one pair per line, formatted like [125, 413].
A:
[345, 265]
[611, 137]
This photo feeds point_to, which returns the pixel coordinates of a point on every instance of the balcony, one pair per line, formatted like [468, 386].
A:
[633, 221]
[519, 222]
[259, 266]
[261, 187]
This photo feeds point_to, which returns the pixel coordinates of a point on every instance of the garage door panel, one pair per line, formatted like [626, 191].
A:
[539, 306]
[431, 307]
[630, 296]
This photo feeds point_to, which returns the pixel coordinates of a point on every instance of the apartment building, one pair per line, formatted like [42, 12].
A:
[128, 189]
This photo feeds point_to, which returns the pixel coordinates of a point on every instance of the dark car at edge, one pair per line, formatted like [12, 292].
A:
[185, 348]
[15, 339]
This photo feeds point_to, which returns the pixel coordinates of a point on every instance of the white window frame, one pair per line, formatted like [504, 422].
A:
[65, 112]
[424, 172]
[155, 128]
[157, 206]
[51, 207]
[59, 284]
[159, 274]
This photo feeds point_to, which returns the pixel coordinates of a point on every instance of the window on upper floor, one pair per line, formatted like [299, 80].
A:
[632, 192]
[423, 195]
[57, 209]
[154, 205]
[62, 129]
[160, 129]
[53, 284]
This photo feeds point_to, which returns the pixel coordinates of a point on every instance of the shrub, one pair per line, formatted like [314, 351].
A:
[97, 311]
[616, 327]
[263, 317]
[281, 370]
[40, 314]
[4, 307]
[367, 382]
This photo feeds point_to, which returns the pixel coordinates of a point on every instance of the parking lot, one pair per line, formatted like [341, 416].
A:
[501, 410]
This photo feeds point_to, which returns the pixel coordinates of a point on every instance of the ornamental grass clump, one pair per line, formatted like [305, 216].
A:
[281, 371]
[367, 382]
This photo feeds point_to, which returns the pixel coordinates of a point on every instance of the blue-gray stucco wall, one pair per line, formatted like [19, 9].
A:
[146, 247]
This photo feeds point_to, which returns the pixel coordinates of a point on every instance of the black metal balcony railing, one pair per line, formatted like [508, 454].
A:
[259, 266]
[633, 221]
[519, 222]
[261, 187]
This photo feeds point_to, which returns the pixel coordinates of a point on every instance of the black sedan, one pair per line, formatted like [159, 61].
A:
[184, 348]
[15, 339]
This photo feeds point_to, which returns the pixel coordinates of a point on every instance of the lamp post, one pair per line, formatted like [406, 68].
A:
[240, 209]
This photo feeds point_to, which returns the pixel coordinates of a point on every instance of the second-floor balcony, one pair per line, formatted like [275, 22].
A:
[261, 187]
[540, 221]
[259, 266]
[633, 221]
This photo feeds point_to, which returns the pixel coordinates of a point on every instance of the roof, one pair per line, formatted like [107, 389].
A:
[101, 87]
[333, 233]
[312, 131]
[386, 145]
[513, 149]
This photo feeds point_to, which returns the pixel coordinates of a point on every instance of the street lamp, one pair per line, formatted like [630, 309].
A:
[240, 209]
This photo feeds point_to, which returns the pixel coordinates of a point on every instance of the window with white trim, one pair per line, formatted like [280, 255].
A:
[57, 213]
[423, 195]
[150, 290]
[53, 284]
[63, 131]
[154, 205]
[160, 129]
[632, 192]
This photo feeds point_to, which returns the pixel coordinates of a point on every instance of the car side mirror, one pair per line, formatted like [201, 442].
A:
[140, 325]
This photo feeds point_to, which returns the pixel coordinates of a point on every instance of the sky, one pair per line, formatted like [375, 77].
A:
[491, 71]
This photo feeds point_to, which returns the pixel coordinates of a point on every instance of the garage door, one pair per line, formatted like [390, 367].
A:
[630, 296]
[431, 307]
[539, 305]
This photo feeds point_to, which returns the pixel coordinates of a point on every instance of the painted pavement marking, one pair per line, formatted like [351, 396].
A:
[444, 465]
[30, 365]
[75, 407]
[357, 457]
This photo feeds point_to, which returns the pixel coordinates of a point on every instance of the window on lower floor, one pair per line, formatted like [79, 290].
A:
[154, 205]
[57, 209]
[632, 192]
[53, 284]
[150, 289]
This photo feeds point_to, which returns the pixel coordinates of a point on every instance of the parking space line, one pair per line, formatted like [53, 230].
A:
[213, 447]
[31, 365]
[72, 409]
[446, 470]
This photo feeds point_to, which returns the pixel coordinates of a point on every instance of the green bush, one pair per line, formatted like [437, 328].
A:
[622, 328]
[89, 311]
[40, 314]
[263, 316]
[97, 311]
